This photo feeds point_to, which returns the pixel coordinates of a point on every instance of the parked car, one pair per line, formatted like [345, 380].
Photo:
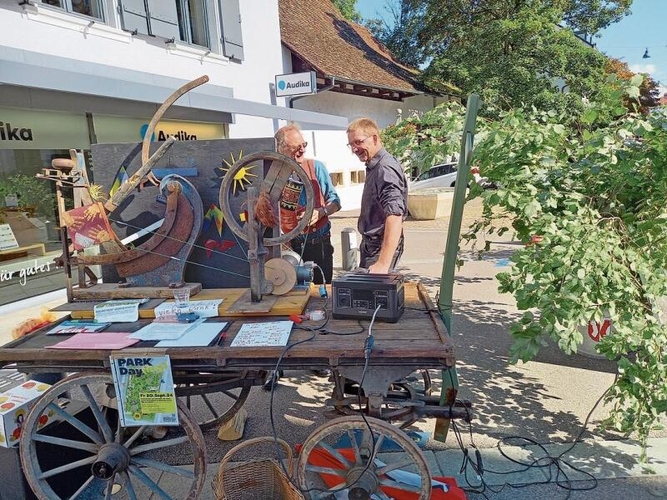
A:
[444, 175]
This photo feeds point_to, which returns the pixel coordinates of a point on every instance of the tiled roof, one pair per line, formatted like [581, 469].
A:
[316, 33]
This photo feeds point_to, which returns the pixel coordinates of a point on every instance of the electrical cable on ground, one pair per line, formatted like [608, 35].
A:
[562, 480]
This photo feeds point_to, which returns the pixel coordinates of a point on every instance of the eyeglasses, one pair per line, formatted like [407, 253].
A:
[356, 143]
[303, 145]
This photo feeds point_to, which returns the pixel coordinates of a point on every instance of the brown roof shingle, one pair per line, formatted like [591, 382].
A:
[319, 35]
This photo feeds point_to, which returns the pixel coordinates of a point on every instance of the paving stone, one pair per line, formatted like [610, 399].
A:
[609, 459]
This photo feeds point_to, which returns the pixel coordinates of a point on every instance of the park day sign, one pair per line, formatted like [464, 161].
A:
[296, 84]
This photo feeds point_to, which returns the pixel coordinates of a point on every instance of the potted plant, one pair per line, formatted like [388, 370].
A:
[29, 193]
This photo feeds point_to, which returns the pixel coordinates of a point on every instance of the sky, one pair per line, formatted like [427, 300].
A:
[627, 40]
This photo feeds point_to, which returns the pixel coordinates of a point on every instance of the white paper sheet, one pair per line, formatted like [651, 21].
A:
[164, 331]
[204, 308]
[199, 336]
[273, 333]
[118, 311]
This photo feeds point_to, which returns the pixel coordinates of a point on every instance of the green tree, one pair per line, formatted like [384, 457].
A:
[649, 92]
[591, 16]
[348, 8]
[589, 204]
[584, 192]
[511, 52]
[399, 32]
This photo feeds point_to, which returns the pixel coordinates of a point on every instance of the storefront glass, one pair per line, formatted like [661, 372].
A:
[28, 219]
[29, 141]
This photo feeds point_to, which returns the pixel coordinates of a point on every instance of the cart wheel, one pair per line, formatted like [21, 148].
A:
[360, 455]
[84, 453]
[396, 407]
[282, 167]
[216, 400]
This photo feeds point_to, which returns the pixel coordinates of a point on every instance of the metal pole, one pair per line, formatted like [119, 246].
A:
[450, 382]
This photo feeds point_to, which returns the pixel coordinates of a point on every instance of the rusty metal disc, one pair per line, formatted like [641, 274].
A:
[282, 274]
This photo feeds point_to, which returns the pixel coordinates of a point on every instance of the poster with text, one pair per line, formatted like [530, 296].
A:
[145, 390]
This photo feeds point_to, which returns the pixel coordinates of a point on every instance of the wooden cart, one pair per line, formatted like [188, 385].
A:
[117, 458]
[85, 453]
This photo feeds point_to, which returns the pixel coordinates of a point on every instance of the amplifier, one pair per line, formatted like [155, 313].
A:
[356, 296]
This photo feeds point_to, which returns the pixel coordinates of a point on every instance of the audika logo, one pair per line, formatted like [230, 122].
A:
[181, 135]
[143, 130]
[301, 84]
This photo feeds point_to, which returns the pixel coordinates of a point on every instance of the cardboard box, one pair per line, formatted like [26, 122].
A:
[14, 407]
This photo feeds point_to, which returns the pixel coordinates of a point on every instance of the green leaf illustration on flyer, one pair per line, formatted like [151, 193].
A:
[145, 390]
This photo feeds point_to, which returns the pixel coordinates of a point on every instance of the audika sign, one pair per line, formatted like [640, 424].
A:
[296, 84]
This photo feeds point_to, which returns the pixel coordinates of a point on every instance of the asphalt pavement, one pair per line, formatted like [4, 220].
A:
[536, 424]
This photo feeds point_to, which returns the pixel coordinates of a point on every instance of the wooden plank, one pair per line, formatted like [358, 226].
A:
[245, 305]
[293, 302]
[110, 291]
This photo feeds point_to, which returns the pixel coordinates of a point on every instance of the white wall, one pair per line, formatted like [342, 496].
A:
[383, 111]
[330, 147]
[52, 31]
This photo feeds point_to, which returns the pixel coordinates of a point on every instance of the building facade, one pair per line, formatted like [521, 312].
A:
[79, 72]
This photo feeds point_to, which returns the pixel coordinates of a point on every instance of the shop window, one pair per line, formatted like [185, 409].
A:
[92, 8]
[29, 240]
[358, 176]
[336, 178]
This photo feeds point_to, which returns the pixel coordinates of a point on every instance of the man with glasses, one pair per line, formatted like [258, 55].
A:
[315, 244]
[384, 202]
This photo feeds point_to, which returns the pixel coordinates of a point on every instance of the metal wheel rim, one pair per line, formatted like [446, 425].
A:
[187, 392]
[307, 474]
[226, 191]
[105, 434]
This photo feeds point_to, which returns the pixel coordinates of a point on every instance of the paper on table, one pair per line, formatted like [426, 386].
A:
[101, 340]
[77, 326]
[273, 333]
[203, 308]
[119, 311]
[164, 331]
[200, 336]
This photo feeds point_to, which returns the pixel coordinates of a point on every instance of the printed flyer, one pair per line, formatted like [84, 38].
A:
[145, 390]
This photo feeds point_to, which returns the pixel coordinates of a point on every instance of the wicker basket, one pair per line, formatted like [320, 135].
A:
[262, 479]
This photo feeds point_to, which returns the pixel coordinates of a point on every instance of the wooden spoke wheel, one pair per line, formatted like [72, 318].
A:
[232, 199]
[397, 406]
[213, 398]
[361, 456]
[84, 453]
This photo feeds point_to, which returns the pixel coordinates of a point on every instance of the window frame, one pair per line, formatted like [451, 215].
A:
[67, 6]
[184, 12]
